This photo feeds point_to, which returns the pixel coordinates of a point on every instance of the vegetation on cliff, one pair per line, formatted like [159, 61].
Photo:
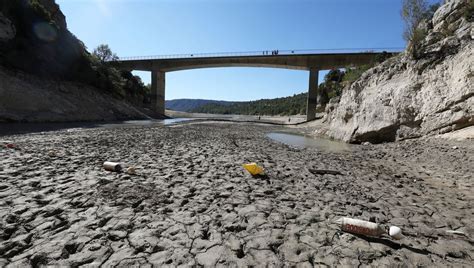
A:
[414, 13]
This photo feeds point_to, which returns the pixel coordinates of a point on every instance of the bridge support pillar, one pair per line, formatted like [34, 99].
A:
[158, 91]
[312, 94]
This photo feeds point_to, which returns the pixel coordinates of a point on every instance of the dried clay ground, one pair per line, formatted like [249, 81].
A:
[192, 204]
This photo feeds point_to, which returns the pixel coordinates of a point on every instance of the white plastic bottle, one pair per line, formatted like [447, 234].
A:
[368, 228]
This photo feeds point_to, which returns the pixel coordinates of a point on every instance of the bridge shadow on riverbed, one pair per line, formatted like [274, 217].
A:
[7, 129]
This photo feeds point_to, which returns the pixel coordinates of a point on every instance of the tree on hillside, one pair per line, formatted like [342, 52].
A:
[413, 13]
[280, 106]
[104, 53]
[334, 76]
[331, 86]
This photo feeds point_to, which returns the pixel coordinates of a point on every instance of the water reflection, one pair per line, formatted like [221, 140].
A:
[301, 141]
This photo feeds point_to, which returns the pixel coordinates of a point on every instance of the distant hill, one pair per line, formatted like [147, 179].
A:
[291, 105]
[187, 105]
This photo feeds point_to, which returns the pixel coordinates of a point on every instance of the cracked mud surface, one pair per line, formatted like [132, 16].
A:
[192, 204]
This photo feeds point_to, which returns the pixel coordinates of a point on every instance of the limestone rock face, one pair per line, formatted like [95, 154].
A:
[7, 29]
[449, 12]
[406, 98]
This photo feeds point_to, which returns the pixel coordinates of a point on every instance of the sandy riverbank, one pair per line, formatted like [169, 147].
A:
[191, 203]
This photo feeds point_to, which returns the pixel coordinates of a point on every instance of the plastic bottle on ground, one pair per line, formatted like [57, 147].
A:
[368, 228]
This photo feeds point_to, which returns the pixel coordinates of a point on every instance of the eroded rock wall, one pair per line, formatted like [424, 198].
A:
[405, 97]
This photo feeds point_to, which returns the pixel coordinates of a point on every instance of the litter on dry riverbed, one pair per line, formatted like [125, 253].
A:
[324, 171]
[368, 228]
[10, 146]
[456, 232]
[131, 171]
[254, 169]
[112, 166]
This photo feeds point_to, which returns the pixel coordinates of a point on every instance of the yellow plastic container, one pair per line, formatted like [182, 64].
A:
[254, 169]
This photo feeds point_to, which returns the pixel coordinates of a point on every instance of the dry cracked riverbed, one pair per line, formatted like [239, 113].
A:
[192, 204]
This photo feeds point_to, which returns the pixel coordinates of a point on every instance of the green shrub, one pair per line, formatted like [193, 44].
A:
[383, 57]
[352, 74]
[104, 53]
[414, 47]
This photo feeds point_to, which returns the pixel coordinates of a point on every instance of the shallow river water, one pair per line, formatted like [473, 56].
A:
[301, 141]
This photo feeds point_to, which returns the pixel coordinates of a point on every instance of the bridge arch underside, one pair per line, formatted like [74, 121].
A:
[158, 88]
[312, 63]
[226, 65]
[295, 62]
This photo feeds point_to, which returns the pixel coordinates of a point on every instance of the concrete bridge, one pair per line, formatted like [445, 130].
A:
[309, 60]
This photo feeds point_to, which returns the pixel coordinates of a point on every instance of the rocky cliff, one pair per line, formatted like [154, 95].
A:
[34, 38]
[407, 96]
[48, 75]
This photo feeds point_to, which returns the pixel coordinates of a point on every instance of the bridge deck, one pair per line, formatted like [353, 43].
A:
[288, 59]
[299, 52]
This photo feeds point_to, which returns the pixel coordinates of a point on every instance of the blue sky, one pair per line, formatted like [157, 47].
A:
[156, 27]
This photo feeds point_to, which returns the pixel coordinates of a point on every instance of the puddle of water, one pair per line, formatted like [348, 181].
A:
[301, 141]
[172, 121]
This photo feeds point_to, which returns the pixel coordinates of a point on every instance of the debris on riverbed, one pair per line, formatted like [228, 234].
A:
[10, 146]
[324, 171]
[131, 171]
[254, 169]
[112, 166]
[395, 232]
[53, 153]
[456, 232]
[368, 228]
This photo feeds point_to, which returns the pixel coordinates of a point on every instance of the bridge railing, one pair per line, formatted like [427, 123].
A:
[266, 53]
